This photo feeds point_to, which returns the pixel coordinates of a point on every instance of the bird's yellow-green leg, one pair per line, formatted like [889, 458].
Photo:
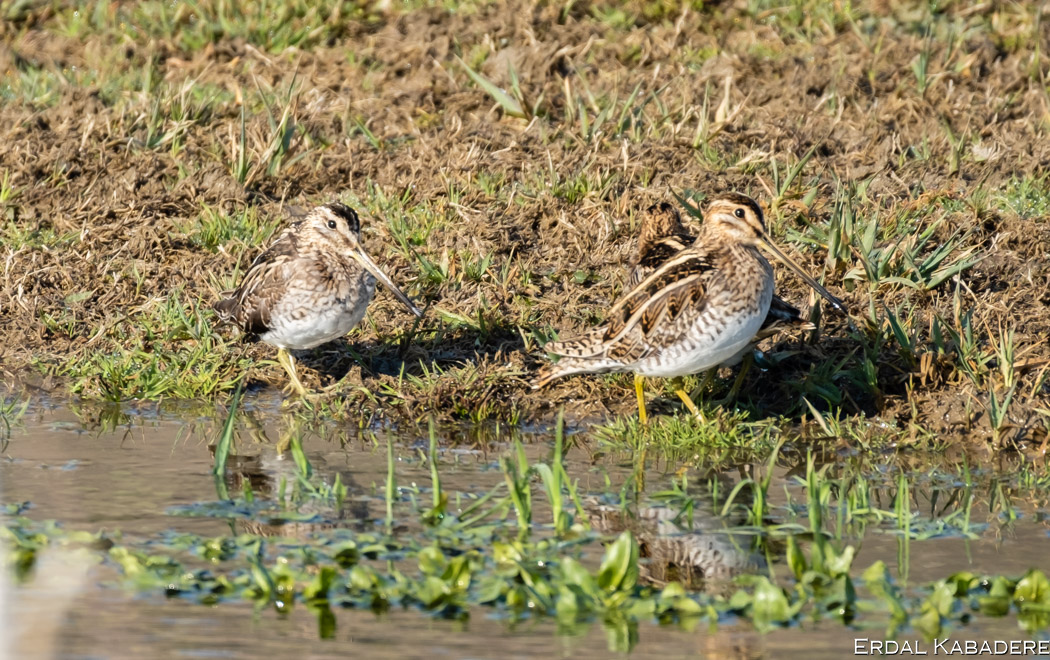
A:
[709, 377]
[684, 396]
[643, 419]
[639, 390]
[285, 359]
[287, 434]
[749, 359]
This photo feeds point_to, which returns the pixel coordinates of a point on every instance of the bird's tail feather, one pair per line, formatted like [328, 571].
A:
[568, 366]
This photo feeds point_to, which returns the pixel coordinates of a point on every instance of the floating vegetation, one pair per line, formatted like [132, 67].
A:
[684, 556]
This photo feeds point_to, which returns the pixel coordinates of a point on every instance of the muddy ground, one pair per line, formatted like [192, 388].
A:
[115, 139]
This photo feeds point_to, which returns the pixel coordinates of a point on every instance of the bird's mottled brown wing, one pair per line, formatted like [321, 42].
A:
[249, 305]
[656, 254]
[679, 284]
[660, 237]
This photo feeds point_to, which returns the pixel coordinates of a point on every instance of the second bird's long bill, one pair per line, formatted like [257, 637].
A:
[835, 302]
[371, 266]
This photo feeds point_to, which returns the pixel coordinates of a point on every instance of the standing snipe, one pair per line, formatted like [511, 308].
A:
[661, 236]
[310, 286]
[693, 306]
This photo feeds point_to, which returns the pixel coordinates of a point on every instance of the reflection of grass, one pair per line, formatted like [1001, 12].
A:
[446, 560]
[11, 411]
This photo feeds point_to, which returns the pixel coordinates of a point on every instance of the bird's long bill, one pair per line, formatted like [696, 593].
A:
[366, 261]
[835, 302]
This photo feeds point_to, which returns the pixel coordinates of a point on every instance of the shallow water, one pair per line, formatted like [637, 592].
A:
[133, 477]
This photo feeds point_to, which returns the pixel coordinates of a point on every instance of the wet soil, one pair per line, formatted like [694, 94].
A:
[118, 209]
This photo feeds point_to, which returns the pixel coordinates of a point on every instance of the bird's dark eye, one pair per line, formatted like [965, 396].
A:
[739, 213]
[331, 224]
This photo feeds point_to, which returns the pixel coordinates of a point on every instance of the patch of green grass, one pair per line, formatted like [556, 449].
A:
[41, 86]
[166, 349]
[1028, 197]
[680, 435]
[805, 21]
[906, 249]
[260, 150]
[16, 235]
[164, 114]
[247, 228]
[267, 24]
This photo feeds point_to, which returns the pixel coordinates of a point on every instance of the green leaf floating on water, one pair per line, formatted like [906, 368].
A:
[574, 574]
[877, 579]
[431, 560]
[769, 605]
[521, 578]
[318, 589]
[619, 569]
[1033, 591]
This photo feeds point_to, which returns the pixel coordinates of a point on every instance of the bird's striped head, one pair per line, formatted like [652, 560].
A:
[737, 217]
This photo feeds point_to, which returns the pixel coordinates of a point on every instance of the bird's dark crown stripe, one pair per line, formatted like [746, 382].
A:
[742, 200]
[343, 211]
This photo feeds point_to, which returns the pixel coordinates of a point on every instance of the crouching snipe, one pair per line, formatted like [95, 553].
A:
[700, 307]
[312, 285]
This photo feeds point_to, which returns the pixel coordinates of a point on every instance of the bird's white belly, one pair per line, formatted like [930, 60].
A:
[307, 327]
[709, 350]
[313, 330]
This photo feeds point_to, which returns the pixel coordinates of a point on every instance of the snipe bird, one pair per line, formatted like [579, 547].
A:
[310, 286]
[661, 236]
[693, 306]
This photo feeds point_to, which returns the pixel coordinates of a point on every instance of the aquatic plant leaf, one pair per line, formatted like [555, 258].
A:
[506, 553]
[1033, 590]
[322, 583]
[301, 462]
[222, 448]
[362, 578]
[491, 589]
[928, 622]
[574, 574]
[796, 560]
[619, 568]
[432, 560]
[262, 581]
[993, 605]
[431, 591]
[674, 598]
[347, 554]
[458, 573]
[567, 606]
[1001, 587]
[838, 563]
[769, 605]
[943, 598]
